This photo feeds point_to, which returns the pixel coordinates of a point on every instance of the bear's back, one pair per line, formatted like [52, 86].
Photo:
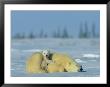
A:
[33, 63]
[61, 58]
[66, 61]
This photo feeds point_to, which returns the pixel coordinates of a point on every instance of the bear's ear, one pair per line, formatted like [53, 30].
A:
[41, 51]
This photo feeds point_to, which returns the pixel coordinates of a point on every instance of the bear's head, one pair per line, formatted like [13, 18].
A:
[46, 53]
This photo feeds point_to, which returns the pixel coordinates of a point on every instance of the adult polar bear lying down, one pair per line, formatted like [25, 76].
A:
[43, 62]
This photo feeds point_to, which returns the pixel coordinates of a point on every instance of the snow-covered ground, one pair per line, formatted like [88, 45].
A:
[85, 51]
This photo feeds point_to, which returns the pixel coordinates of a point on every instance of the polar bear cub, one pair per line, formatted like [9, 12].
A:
[49, 65]
[46, 60]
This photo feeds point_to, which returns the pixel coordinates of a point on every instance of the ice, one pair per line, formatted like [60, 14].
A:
[91, 55]
[84, 51]
[79, 60]
[32, 50]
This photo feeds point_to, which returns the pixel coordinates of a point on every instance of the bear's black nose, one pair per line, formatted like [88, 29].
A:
[46, 55]
[81, 69]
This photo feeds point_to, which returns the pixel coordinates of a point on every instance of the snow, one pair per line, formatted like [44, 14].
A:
[85, 51]
[91, 55]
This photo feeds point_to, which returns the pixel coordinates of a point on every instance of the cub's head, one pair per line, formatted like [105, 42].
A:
[46, 53]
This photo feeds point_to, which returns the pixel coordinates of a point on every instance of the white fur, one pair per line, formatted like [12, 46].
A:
[46, 60]
[45, 53]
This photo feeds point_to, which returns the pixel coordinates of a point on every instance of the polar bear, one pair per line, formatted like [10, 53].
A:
[33, 64]
[46, 61]
[43, 62]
